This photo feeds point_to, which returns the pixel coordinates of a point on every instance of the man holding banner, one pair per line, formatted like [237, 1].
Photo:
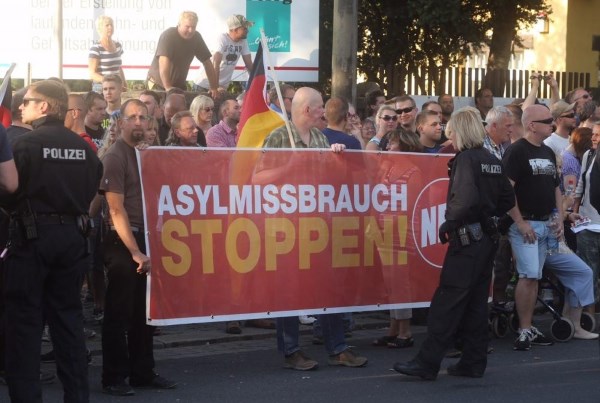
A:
[307, 110]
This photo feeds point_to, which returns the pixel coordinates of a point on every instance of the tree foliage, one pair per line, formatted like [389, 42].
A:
[403, 38]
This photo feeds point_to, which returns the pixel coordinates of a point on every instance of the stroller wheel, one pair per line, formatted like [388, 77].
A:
[562, 329]
[500, 326]
[513, 322]
[588, 322]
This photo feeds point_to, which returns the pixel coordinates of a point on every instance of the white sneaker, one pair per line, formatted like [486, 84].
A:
[307, 320]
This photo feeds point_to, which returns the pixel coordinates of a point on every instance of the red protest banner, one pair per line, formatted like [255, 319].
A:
[306, 231]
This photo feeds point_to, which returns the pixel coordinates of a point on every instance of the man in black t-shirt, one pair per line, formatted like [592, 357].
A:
[531, 168]
[175, 51]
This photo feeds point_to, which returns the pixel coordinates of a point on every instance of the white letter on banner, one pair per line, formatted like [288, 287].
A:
[257, 201]
[306, 199]
[217, 208]
[326, 193]
[240, 202]
[165, 201]
[186, 203]
[344, 201]
[271, 204]
[288, 193]
[202, 195]
[364, 206]
[383, 206]
[396, 197]
[428, 227]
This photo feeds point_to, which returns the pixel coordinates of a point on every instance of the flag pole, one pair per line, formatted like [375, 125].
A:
[267, 53]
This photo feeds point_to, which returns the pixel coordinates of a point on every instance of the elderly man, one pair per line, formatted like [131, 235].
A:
[232, 45]
[175, 51]
[499, 123]
[174, 102]
[531, 167]
[307, 110]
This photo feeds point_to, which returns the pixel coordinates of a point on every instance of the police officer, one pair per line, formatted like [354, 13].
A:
[478, 191]
[59, 175]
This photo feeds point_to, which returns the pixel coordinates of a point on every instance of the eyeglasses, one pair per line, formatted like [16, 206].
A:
[405, 110]
[208, 109]
[142, 118]
[26, 101]
[387, 118]
[352, 116]
[548, 121]
[570, 116]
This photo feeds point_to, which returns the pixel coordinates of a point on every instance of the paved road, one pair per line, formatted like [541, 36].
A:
[250, 371]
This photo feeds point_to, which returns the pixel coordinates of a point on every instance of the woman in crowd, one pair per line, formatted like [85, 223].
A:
[202, 109]
[105, 55]
[387, 121]
[151, 133]
[111, 134]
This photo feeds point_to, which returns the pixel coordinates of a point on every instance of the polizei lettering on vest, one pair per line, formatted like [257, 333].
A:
[63, 154]
[491, 169]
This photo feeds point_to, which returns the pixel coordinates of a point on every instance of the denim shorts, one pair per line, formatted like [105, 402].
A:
[529, 257]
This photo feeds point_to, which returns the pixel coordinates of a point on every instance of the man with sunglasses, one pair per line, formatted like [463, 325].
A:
[564, 116]
[59, 175]
[531, 167]
[407, 111]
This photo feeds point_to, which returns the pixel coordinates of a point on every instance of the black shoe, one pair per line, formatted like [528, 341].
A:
[413, 368]
[158, 382]
[121, 389]
[459, 370]
[48, 357]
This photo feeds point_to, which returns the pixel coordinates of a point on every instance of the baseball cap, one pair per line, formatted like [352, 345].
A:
[237, 20]
[560, 108]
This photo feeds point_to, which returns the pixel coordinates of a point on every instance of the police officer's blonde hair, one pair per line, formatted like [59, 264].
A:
[55, 94]
[468, 129]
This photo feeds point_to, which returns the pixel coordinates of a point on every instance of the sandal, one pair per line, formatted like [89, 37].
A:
[383, 341]
[399, 342]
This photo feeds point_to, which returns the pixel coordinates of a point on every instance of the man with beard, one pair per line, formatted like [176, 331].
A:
[232, 45]
[127, 346]
[224, 134]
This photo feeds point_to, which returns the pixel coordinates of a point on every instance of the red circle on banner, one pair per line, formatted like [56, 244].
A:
[427, 216]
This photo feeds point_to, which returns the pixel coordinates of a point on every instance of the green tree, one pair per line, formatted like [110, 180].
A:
[421, 39]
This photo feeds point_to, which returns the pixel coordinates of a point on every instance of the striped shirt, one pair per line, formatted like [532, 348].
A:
[109, 62]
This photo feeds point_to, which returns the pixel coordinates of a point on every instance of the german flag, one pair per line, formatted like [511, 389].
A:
[257, 120]
[6, 99]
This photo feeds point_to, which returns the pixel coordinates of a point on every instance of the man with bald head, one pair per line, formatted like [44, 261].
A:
[532, 170]
[307, 111]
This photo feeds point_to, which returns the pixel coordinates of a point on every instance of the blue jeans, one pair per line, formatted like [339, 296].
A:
[348, 325]
[588, 249]
[288, 333]
[529, 257]
[575, 276]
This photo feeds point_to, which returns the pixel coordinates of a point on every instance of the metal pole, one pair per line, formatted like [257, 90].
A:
[58, 36]
[345, 22]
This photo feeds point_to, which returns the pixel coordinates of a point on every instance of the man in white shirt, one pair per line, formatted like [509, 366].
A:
[232, 45]
[564, 116]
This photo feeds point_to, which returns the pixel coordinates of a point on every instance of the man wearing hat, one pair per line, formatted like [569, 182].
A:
[564, 116]
[232, 45]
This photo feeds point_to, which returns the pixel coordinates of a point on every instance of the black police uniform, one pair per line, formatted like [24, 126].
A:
[59, 176]
[478, 191]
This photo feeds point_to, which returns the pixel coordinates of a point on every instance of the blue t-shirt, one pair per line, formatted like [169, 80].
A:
[335, 136]
[432, 150]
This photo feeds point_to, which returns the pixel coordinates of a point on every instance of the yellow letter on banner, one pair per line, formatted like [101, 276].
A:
[307, 246]
[383, 241]
[273, 247]
[239, 264]
[340, 241]
[207, 228]
[177, 247]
